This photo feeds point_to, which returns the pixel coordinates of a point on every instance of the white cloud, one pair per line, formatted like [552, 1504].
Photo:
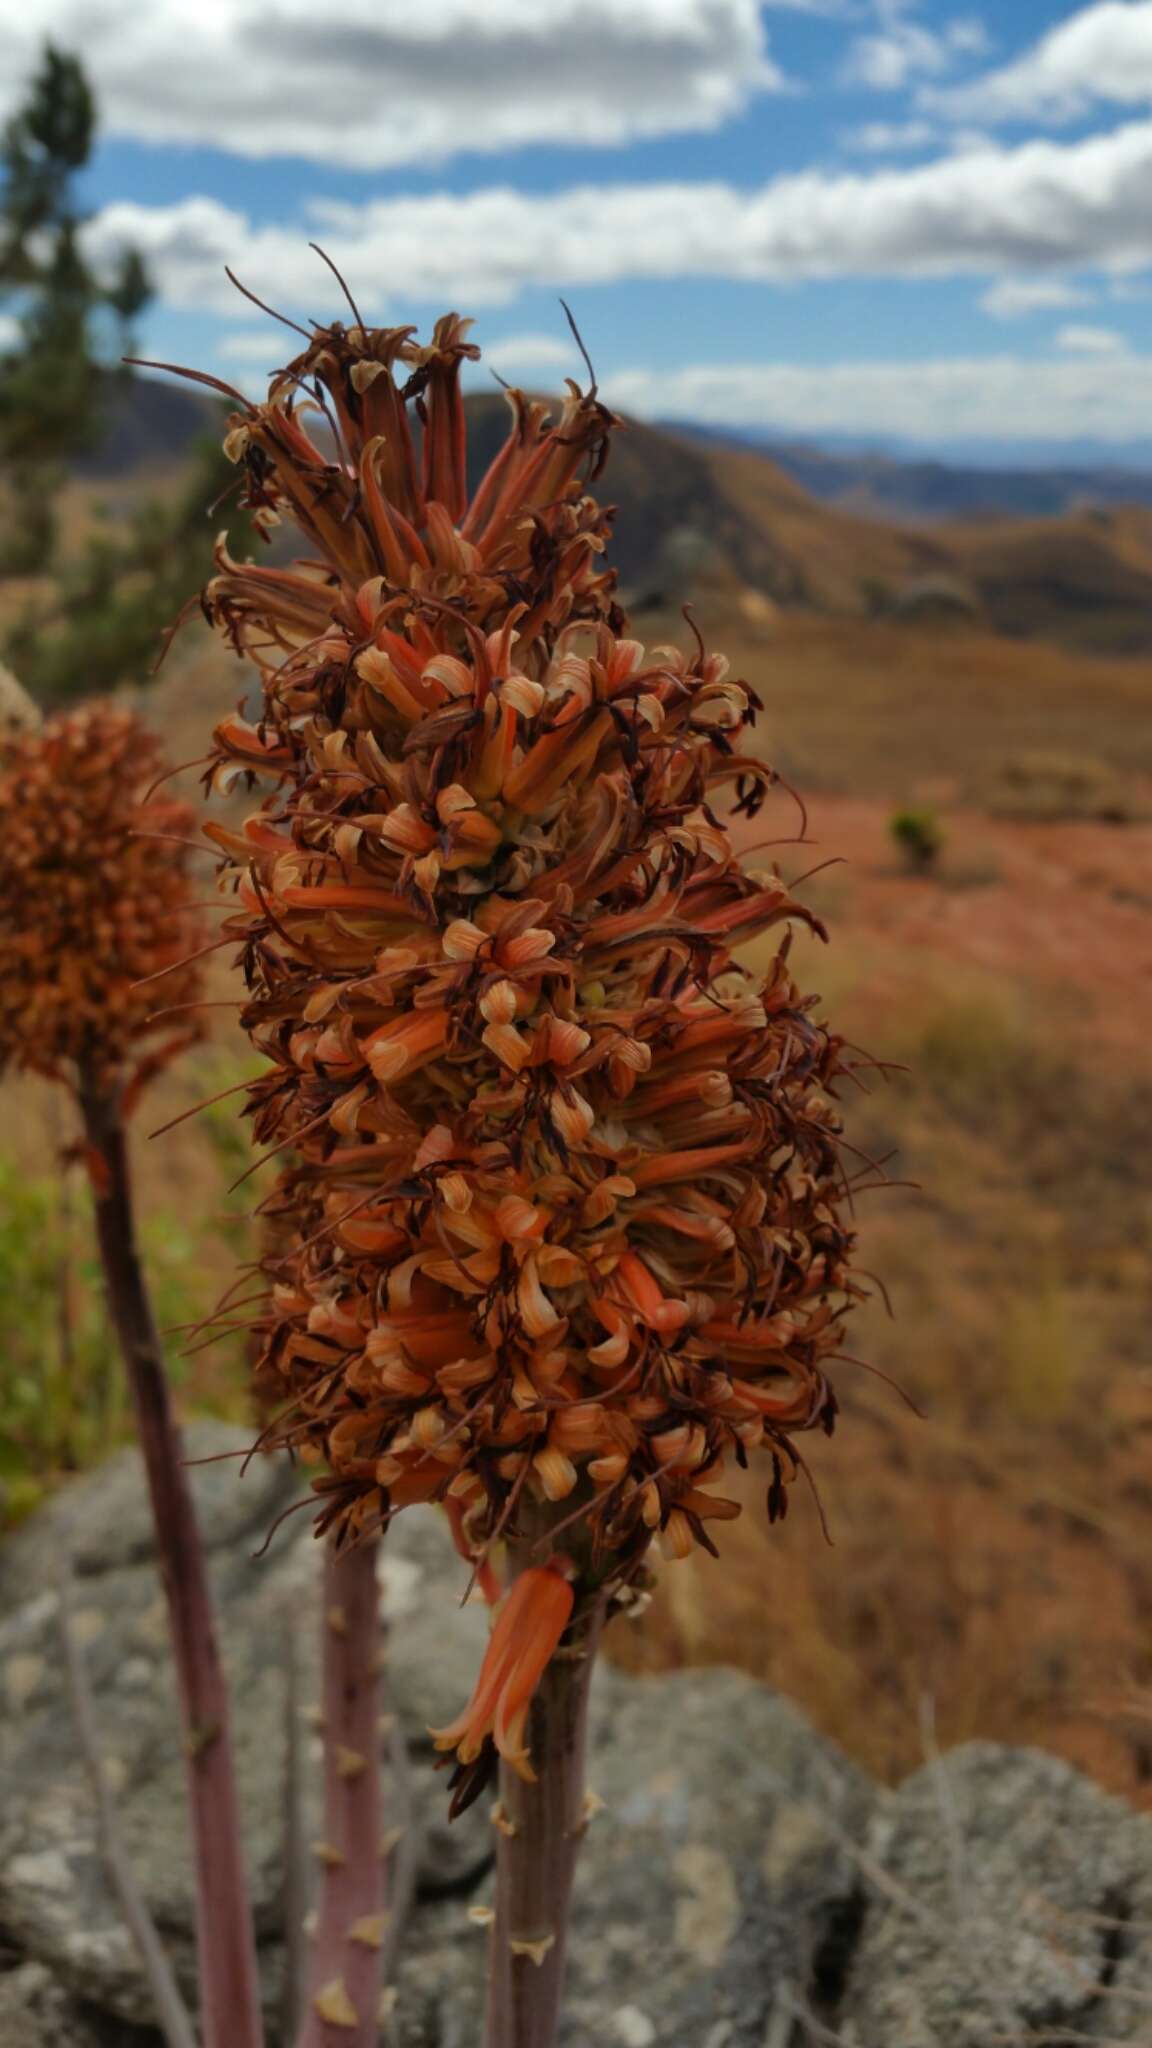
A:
[9, 329]
[892, 138]
[255, 345]
[902, 49]
[511, 354]
[1042, 206]
[974, 397]
[372, 83]
[981, 397]
[532, 352]
[1010, 297]
[1101, 54]
[1091, 341]
[884, 138]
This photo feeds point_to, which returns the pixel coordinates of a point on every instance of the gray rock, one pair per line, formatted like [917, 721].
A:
[1017, 1909]
[36, 2012]
[716, 1869]
[102, 1522]
[744, 1886]
[718, 1865]
[438, 1644]
[54, 1897]
[18, 712]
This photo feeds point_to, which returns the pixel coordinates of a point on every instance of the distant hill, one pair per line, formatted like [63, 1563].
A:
[1085, 579]
[710, 515]
[147, 425]
[922, 487]
[677, 518]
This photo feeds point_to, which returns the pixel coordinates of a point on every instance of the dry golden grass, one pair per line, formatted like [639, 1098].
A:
[993, 1555]
[876, 708]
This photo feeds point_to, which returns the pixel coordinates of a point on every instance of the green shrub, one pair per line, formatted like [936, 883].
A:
[63, 1403]
[60, 1392]
[104, 620]
[919, 836]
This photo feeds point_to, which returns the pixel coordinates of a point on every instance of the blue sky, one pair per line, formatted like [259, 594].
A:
[849, 217]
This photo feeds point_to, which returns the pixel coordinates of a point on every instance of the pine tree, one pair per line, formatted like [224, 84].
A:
[97, 620]
[103, 621]
[53, 373]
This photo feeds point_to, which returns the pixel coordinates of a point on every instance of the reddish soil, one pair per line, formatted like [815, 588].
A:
[1063, 907]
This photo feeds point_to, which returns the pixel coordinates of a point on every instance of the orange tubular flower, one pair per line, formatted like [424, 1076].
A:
[568, 1228]
[529, 1623]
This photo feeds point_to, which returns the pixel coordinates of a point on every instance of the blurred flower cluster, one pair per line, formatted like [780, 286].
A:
[563, 1217]
[96, 919]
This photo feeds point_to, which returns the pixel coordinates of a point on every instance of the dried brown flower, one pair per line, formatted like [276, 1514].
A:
[568, 1208]
[95, 908]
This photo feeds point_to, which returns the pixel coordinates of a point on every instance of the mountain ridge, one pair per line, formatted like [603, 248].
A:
[926, 486]
[706, 513]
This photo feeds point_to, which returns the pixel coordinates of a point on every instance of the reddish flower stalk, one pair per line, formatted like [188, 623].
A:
[542, 1811]
[95, 918]
[229, 2000]
[344, 1977]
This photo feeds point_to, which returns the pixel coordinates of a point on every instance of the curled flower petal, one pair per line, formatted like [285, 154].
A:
[529, 1624]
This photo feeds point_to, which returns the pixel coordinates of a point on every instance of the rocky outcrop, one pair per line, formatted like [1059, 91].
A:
[716, 1869]
[743, 1885]
[1006, 1899]
[18, 713]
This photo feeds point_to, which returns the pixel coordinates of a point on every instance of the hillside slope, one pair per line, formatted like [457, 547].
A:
[146, 425]
[699, 515]
[709, 515]
[1085, 579]
[891, 486]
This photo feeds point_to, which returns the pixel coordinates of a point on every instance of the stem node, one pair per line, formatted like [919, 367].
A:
[351, 1925]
